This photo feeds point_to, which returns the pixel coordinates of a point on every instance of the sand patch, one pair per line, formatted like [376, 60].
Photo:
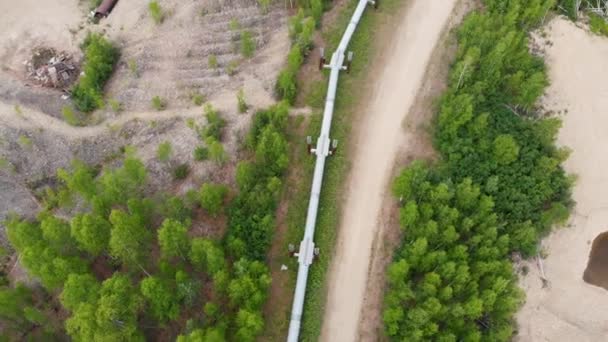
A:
[570, 309]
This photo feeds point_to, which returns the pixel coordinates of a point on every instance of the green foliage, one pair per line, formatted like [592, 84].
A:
[173, 239]
[25, 142]
[241, 102]
[158, 103]
[247, 44]
[207, 256]
[128, 237]
[156, 12]
[215, 124]
[181, 171]
[201, 153]
[133, 68]
[452, 279]
[163, 152]
[197, 98]
[161, 298]
[316, 8]
[264, 4]
[91, 232]
[251, 215]
[115, 105]
[234, 24]
[498, 189]
[212, 61]
[70, 116]
[78, 289]
[598, 24]
[301, 31]
[100, 57]
[232, 67]
[216, 151]
[212, 197]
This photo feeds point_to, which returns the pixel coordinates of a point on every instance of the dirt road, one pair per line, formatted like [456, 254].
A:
[379, 138]
[570, 309]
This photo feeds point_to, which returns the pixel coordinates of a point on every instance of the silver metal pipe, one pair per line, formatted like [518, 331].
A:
[307, 246]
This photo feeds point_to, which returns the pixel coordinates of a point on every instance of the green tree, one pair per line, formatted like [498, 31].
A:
[78, 289]
[207, 256]
[161, 298]
[128, 237]
[91, 232]
[173, 239]
[212, 197]
[506, 149]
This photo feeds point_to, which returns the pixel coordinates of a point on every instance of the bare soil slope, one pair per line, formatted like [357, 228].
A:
[570, 309]
[378, 141]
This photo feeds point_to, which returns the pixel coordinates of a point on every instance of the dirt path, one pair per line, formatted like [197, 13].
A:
[570, 309]
[381, 134]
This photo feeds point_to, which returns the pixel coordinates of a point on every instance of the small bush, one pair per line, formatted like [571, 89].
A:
[163, 153]
[242, 103]
[115, 105]
[197, 98]
[212, 197]
[212, 61]
[25, 142]
[181, 171]
[232, 66]
[247, 44]
[156, 12]
[598, 24]
[215, 124]
[133, 68]
[216, 151]
[18, 110]
[158, 103]
[234, 24]
[264, 4]
[70, 116]
[201, 153]
[100, 57]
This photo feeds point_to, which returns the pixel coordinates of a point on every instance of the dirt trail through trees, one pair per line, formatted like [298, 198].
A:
[399, 77]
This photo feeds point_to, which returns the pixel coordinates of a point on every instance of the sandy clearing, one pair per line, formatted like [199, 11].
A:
[378, 141]
[570, 309]
[38, 22]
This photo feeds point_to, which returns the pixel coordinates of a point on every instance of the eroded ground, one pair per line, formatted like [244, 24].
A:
[172, 61]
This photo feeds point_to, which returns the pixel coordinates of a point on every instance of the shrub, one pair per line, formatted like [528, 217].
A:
[156, 12]
[181, 171]
[115, 105]
[215, 124]
[132, 64]
[232, 67]
[197, 98]
[201, 153]
[100, 57]
[163, 152]
[234, 24]
[598, 24]
[264, 4]
[212, 197]
[70, 116]
[216, 151]
[240, 98]
[212, 61]
[25, 142]
[247, 44]
[158, 103]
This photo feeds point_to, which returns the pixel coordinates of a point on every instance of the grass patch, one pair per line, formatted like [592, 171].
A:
[158, 103]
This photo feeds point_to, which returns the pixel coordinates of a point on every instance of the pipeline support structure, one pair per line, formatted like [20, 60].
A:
[322, 150]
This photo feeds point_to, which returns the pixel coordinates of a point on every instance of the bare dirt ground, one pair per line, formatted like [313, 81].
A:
[172, 62]
[570, 309]
[380, 134]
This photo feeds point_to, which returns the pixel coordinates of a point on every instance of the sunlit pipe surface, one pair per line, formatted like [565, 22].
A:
[306, 252]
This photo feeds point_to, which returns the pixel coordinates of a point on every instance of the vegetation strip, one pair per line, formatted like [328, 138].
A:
[497, 190]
